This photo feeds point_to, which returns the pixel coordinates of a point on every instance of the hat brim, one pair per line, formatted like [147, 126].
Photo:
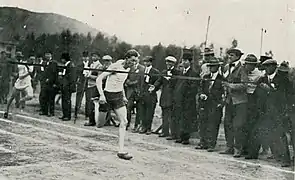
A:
[235, 51]
[214, 64]
[249, 62]
[283, 69]
[168, 60]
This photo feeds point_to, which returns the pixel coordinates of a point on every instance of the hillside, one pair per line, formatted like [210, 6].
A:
[13, 20]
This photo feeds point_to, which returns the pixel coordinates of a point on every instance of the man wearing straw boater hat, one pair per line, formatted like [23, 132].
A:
[270, 127]
[211, 96]
[236, 103]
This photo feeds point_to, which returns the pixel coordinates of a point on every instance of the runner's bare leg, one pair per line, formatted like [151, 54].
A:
[122, 116]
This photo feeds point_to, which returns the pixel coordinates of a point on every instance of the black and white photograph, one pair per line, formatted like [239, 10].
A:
[147, 90]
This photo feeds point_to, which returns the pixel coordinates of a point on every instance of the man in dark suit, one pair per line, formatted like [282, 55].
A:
[41, 78]
[6, 72]
[67, 86]
[270, 126]
[236, 103]
[149, 98]
[211, 97]
[185, 99]
[167, 84]
[132, 90]
[82, 83]
[50, 85]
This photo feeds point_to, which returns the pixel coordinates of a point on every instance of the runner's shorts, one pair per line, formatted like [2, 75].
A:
[115, 100]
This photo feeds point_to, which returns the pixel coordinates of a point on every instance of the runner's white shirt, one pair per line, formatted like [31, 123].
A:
[115, 81]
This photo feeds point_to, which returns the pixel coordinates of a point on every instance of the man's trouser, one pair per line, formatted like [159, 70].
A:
[166, 119]
[66, 97]
[234, 125]
[148, 111]
[130, 105]
[209, 124]
[90, 93]
[47, 99]
[188, 116]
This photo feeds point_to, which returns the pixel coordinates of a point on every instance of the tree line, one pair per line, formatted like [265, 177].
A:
[76, 43]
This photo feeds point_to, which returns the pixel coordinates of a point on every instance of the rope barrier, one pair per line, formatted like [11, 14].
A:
[116, 71]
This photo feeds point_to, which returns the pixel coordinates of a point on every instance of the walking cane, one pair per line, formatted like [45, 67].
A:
[80, 99]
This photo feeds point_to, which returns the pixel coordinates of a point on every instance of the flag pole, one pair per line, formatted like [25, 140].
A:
[206, 38]
[261, 41]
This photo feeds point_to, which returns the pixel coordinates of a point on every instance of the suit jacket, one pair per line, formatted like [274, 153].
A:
[238, 94]
[70, 76]
[144, 93]
[51, 74]
[133, 82]
[186, 90]
[215, 91]
[168, 87]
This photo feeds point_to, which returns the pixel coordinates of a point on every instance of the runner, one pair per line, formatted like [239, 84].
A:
[22, 85]
[114, 94]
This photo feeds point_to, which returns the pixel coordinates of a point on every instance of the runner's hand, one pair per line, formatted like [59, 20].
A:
[125, 100]
[151, 88]
[102, 100]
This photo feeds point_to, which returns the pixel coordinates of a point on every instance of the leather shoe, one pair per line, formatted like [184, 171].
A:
[251, 157]
[237, 153]
[43, 114]
[66, 119]
[185, 142]
[148, 132]
[5, 115]
[124, 156]
[227, 151]
[143, 131]
[89, 124]
[170, 138]
[163, 135]
[178, 141]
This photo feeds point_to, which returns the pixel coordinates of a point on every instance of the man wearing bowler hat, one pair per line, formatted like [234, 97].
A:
[236, 103]
[167, 84]
[254, 104]
[211, 95]
[149, 97]
[67, 86]
[185, 99]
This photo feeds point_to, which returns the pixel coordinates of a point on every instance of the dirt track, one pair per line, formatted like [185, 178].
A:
[36, 148]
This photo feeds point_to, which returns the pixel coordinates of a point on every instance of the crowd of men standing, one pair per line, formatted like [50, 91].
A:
[255, 97]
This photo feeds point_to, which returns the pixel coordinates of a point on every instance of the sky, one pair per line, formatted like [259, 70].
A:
[184, 22]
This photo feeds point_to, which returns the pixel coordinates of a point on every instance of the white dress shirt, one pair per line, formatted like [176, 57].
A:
[146, 72]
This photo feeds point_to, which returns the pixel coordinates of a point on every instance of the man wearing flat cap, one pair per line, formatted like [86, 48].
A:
[270, 127]
[67, 86]
[82, 82]
[167, 84]
[132, 87]
[184, 100]
[149, 97]
[236, 103]
[211, 97]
